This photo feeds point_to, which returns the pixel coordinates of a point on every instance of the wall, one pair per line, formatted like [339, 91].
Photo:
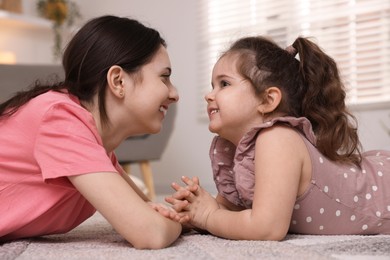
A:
[187, 152]
[374, 127]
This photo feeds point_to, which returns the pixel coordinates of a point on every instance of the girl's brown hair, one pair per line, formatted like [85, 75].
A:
[311, 88]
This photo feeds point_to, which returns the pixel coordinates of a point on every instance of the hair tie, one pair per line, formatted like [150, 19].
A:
[290, 49]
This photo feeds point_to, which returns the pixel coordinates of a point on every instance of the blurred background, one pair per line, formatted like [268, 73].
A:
[355, 32]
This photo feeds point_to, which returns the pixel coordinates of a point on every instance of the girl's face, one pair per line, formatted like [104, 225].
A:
[232, 105]
[150, 95]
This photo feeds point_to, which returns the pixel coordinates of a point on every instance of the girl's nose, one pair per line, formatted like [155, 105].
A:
[209, 96]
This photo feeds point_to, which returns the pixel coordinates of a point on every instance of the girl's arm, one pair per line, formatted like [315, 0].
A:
[225, 204]
[126, 211]
[280, 158]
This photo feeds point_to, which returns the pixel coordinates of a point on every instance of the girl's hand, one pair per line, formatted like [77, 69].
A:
[195, 204]
[178, 199]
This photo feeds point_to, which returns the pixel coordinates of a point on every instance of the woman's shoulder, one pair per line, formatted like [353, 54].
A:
[53, 107]
[53, 102]
[52, 98]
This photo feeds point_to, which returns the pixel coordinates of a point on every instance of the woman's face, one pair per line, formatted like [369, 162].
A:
[147, 100]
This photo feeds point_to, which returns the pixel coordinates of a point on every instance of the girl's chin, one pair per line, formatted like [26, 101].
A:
[213, 129]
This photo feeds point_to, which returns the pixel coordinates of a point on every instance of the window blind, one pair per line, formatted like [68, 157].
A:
[356, 33]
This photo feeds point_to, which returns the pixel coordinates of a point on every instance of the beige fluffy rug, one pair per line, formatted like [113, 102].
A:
[95, 239]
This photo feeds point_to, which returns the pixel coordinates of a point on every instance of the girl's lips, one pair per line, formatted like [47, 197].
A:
[213, 111]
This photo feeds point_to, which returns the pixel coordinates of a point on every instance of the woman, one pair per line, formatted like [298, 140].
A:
[57, 165]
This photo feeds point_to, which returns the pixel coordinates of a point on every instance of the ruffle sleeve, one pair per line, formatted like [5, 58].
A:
[222, 155]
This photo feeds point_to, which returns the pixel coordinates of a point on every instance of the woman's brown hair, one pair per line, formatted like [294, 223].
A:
[101, 43]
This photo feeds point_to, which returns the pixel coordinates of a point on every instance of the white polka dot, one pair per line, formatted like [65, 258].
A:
[378, 214]
[364, 227]
[215, 151]
[294, 222]
[338, 200]
[353, 170]
[378, 153]
[345, 175]
[321, 227]
[321, 160]
[322, 210]
[381, 163]
[380, 174]
[388, 207]
[231, 172]
[326, 189]
[221, 163]
[364, 171]
[368, 196]
[217, 178]
[353, 217]
[379, 224]
[374, 188]
[308, 219]
[297, 206]
[227, 149]
[338, 213]
[356, 198]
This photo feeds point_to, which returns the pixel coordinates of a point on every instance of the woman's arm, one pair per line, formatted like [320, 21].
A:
[126, 211]
[134, 186]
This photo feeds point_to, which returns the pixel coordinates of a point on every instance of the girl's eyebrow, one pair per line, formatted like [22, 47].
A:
[223, 76]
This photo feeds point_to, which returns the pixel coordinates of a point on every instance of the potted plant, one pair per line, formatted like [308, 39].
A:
[63, 13]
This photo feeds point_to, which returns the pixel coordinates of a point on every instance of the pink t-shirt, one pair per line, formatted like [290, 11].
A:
[46, 140]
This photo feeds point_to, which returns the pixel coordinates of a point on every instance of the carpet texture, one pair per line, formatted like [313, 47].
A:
[95, 239]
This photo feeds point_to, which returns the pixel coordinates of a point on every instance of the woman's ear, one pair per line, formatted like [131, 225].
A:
[115, 80]
[271, 100]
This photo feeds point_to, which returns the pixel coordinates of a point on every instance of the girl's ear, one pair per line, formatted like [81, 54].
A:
[271, 101]
[115, 82]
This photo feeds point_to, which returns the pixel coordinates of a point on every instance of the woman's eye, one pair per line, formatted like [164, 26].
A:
[166, 77]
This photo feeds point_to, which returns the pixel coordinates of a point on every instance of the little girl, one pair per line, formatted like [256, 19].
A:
[287, 155]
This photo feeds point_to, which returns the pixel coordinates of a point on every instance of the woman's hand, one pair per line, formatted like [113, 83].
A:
[163, 209]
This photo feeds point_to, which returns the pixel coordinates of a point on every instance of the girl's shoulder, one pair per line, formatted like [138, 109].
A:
[281, 126]
[280, 138]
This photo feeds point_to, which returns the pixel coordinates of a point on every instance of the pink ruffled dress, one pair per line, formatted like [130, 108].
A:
[341, 199]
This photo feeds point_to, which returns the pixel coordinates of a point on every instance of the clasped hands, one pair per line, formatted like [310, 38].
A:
[191, 204]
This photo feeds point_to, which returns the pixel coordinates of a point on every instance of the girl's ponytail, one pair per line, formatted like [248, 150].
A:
[324, 104]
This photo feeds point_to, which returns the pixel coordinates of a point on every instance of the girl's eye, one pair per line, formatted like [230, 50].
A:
[224, 83]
